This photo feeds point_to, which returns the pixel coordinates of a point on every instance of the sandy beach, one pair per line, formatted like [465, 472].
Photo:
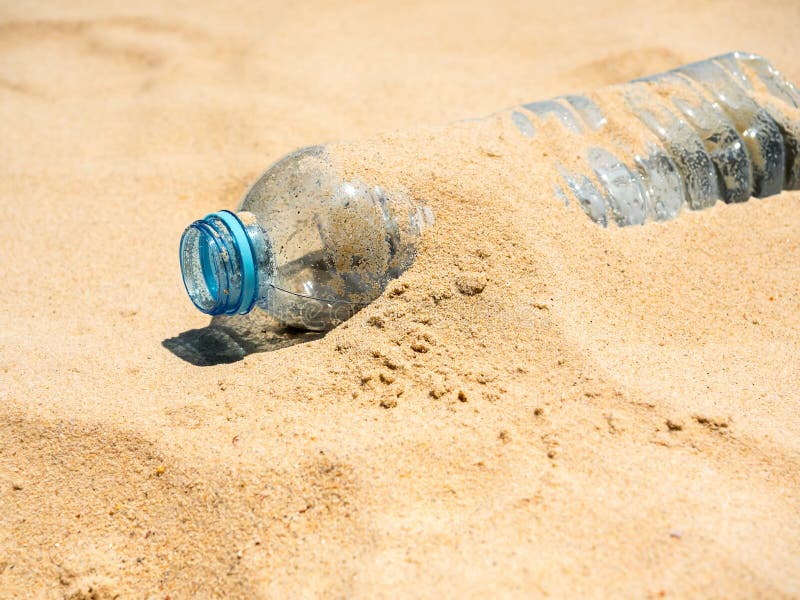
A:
[539, 407]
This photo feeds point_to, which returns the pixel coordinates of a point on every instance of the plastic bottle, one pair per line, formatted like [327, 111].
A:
[725, 128]
[305, 245]
[312, 248]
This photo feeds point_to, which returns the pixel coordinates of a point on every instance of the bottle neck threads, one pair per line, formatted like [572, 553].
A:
[219, 264]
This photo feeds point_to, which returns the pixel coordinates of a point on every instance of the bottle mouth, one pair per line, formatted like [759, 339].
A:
[218, 265]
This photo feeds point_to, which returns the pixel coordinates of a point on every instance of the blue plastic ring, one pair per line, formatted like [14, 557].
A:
[247, 256]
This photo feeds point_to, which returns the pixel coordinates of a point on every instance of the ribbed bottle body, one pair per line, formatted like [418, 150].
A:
[726, 128]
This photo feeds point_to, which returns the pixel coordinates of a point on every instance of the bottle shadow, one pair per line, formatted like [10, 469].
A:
[228, 339]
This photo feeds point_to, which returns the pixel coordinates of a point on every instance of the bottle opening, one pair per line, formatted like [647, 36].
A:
[218, 265]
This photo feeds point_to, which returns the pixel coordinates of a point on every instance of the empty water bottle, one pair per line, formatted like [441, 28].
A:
[726, 128]
[306, 245]
[312, 247]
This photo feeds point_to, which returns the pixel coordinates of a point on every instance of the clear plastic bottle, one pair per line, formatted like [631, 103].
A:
[312, 248]
[305, 245]
[725, 128]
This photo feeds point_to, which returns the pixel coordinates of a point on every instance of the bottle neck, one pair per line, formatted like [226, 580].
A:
[223, 258]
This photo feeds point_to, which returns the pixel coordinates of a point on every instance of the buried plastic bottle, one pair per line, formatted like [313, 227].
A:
[312, 248]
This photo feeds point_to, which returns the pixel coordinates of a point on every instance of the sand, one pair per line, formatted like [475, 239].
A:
[539, 407]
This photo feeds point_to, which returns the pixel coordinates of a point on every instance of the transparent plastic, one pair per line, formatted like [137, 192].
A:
[321, 247]
[726, 128]
[312, 248]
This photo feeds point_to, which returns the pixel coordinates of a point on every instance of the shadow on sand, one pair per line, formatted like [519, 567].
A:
[230, 339]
